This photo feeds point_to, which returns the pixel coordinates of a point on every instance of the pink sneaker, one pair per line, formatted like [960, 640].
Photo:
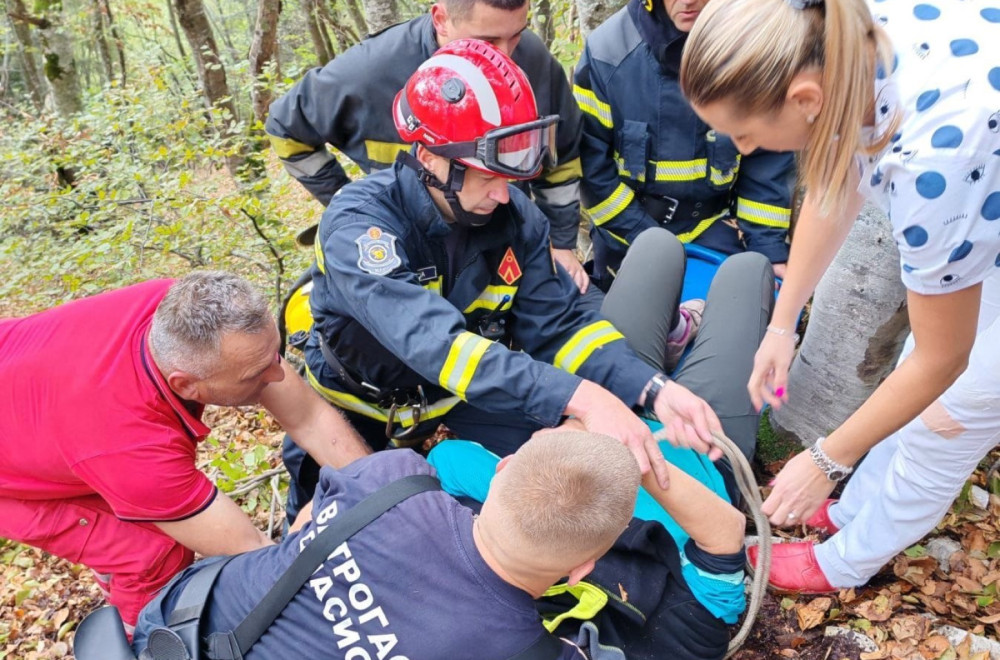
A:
[691, 312]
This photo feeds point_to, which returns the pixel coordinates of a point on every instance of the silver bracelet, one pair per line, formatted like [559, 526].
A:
[783, 332]
[833, 470]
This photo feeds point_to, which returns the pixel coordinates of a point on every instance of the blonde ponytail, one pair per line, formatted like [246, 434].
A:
[746, 52]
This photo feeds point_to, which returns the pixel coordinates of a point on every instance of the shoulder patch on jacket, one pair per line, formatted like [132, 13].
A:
[377, 252]
[509, 270]
[612, 41]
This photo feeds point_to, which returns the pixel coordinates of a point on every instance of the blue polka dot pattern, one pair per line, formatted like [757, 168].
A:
[930, 185]
[947, 137]
[915, 235]
[961, 252]
[896, 137]
[997, 262]
[992, 14]
[880, 72]
[876, 178]
[926, 12]
[994, 77]
[930, 97]
[908, 268]
[991, 207]
[962, 47]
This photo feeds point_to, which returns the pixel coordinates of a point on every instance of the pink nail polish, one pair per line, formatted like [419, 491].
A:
[780, 392]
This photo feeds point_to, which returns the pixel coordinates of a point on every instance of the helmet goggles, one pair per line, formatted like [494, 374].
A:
[518, 152]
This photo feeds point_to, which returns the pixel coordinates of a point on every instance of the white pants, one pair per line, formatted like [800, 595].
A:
[908, 481]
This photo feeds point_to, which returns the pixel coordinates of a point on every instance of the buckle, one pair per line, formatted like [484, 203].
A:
[403, 398]
[672, 205]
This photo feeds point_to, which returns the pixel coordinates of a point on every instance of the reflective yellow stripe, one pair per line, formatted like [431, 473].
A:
[383, 152]
[617, 237]
[590, 600]
[463, 358]
[612, 206]
[720, 178]
[763, 214]
[434, 286]
[699, 229]
[583, 343]
[680, 170]
[404, 416]
[318, 249]
[620, 162]
[563, 172]
[593, 106]
[286, 147]
[492, 297]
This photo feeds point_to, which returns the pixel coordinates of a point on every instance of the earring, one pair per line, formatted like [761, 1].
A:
[810, 119]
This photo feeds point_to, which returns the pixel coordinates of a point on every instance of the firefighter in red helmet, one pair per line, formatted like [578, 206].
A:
[435, 299]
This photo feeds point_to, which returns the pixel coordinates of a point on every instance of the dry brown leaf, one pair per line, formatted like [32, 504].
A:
[809, 617]
[879, 608]
[935, 646]
[913, 627]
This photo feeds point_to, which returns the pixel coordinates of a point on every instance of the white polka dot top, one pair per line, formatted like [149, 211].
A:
[939, 178]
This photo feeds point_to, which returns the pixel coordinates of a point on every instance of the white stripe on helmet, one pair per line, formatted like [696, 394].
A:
[489, 107]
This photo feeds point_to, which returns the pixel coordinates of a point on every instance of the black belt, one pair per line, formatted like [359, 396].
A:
[384, 398]
[666, 210]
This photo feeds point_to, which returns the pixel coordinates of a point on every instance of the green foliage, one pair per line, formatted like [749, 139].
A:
[772, 447]
[149, 197]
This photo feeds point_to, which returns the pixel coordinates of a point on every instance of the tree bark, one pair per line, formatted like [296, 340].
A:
[594, 12]
[212, 74]
[101, 40]
[27, 47]
[541, 21]
[380, 14]
[265, 40]
[320, 40]
[857, 326]
[115, 37]
[353, 10]
[59, 59]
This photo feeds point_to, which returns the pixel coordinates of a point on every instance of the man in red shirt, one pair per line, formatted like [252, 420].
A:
[102, 401]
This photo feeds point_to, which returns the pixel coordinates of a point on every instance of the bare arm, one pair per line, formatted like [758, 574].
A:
[944, 329]
[716, 526]
[221, 529]
[312, 423]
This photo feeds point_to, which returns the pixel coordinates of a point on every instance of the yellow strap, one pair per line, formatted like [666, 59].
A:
[287, 147]
[583, 343]
[383, 152]
[593, 106]
[700, 228]
[492, 297]
[463, 358]
[763, 214]
[434, 286]
[607, 209]
[590, 600]
[404, 416]
[318, 249]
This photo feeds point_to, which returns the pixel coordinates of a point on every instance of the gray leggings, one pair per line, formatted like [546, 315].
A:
[642, 304]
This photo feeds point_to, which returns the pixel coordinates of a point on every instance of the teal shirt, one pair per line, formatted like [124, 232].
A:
[467, 468]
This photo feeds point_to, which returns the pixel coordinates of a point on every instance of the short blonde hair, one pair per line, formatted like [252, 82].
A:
[566, 493]
[746, 52]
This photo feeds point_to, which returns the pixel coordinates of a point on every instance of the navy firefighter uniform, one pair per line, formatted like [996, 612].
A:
[648, 159]
[348, 104]
[468, 321]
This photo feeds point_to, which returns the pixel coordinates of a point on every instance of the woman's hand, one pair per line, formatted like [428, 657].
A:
[799, 489]
[769, 379]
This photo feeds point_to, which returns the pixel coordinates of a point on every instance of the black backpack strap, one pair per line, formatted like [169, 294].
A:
[186, 615]
[548, 647]
[233, 645]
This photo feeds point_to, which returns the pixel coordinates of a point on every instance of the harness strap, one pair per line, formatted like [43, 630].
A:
[234, 644]
[186, 615]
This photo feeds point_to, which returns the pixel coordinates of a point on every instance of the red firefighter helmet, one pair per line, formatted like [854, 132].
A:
[470, 102]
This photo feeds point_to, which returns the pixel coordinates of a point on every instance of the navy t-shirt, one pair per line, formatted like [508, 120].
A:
[410, 586]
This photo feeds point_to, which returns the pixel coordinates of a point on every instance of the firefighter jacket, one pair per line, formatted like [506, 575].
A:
[396, 315]
[348, 104]
[643, 144]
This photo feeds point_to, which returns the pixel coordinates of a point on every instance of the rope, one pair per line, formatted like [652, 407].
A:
[751, 495]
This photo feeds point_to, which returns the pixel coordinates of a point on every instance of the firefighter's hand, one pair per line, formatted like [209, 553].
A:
[600, 411]
[688, 420]
[567, 259]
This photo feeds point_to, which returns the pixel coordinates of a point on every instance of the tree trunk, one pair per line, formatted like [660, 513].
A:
[856, 329]
[265, 39]
[380, 14]
[59, 59]
[101, 40]
[594, 12]
[115, 36]
[27, 47]
[193, 20]
[541, 21]
[321, 41]
[354, 11]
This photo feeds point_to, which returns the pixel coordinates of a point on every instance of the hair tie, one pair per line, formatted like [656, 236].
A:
[804, 4]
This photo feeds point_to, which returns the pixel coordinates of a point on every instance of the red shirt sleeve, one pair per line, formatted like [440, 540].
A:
[152, 481]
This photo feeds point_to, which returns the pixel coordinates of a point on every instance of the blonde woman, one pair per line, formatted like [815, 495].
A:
[897, 102]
